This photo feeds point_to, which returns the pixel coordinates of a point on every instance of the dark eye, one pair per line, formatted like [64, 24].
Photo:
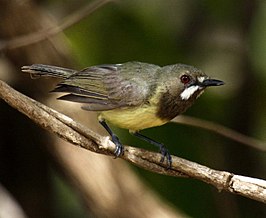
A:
[185, 79]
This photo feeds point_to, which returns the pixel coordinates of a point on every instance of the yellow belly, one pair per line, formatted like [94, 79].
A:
[134, 118]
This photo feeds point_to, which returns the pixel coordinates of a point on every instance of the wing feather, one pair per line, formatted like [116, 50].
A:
[107, 87]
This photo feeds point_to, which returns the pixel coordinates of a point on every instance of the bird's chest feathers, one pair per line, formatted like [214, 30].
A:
[160, 108]
[134, 118]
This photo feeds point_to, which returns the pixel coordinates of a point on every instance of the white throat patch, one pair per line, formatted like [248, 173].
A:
[188, 92]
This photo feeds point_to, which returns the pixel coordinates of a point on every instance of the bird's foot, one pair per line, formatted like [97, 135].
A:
[164, 151]
[165, 154]
[119, 148]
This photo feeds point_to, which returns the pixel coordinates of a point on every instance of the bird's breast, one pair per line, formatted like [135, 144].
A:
[135, 119]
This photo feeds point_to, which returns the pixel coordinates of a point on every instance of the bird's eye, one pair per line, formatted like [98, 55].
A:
[185, 79]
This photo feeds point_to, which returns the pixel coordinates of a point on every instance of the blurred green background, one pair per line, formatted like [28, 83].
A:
[224, 38]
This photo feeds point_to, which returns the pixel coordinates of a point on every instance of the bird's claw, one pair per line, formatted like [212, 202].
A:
[166, 154]
[119, 148]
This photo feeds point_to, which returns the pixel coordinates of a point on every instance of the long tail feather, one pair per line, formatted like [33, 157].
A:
[41, 70]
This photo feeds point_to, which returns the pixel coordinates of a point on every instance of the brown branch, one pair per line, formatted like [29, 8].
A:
[46, 33]
[79, 135]
[221, 130]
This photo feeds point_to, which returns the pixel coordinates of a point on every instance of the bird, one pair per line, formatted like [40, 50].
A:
[132, 95]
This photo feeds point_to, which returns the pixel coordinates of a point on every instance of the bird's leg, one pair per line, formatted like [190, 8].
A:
[164, 151]
[119, 149]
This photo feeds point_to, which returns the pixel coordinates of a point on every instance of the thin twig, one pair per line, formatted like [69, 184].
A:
[79, 135]
[46, 33]
[221, 130]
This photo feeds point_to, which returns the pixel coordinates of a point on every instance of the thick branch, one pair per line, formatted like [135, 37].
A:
[79, 135]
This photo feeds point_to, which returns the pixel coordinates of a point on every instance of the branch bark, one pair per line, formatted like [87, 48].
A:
[78, 135]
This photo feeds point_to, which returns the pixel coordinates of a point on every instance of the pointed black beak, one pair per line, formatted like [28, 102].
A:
[212, 82]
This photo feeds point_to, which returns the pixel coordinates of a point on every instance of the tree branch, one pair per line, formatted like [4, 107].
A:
[78, 135]
[221, 130]
[43, 34]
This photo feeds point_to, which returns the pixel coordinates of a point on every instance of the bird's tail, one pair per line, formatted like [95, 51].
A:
[41, 70]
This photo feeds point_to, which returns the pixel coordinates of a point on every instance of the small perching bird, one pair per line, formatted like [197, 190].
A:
[132, 95]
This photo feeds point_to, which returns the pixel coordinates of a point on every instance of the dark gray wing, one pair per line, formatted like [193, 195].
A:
[108, 87]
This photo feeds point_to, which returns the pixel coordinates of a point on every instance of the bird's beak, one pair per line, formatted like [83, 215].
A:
[212, 82]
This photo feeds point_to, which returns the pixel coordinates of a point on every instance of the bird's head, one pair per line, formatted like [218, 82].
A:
[191, 81]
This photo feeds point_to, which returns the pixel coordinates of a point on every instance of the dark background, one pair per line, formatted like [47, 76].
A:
[224, 38]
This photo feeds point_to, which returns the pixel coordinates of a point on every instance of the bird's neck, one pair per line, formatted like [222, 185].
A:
[170, 106]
